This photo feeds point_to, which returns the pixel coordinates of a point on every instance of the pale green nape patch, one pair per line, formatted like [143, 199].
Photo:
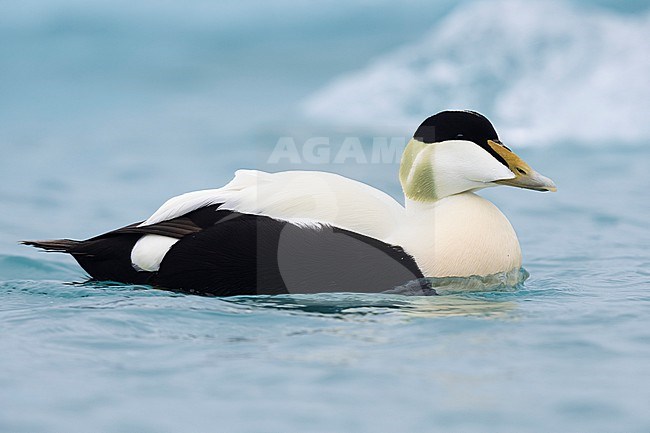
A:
[416, 172]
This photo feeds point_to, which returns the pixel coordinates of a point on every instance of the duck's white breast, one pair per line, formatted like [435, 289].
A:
[459, 235]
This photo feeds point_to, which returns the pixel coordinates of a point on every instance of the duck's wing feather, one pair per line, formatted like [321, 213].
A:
[244, 254]
[295, 196]
[192, 222]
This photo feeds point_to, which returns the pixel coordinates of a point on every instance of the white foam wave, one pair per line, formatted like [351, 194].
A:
[542, 71]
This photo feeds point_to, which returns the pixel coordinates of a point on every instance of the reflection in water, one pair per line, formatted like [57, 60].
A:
[458, 305]
[473, 296]
[347, 306]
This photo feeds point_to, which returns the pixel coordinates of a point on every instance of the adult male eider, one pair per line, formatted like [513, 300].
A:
[309, 231]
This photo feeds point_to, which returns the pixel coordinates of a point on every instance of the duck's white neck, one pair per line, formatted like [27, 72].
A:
[415, 207]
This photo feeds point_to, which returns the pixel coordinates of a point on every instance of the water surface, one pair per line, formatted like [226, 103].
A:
[106, 114]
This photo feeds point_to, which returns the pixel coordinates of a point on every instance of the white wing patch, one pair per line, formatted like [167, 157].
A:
[149, 251]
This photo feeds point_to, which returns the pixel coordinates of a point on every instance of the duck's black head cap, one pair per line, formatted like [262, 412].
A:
[459, 125]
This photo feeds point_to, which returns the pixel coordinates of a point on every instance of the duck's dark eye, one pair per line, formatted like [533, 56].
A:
[521, 171]
[459, 136]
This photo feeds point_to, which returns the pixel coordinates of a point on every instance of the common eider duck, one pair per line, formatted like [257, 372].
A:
[310, 231]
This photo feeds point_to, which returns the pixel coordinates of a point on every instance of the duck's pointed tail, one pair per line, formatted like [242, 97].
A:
[104, 258]
[57, 245]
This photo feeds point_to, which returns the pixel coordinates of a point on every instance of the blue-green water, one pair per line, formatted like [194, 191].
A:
[108, 112]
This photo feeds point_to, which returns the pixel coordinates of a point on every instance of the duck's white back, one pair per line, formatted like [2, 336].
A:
[300, 196]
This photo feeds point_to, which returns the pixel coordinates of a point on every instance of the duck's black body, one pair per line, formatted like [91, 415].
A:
[224, 253]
